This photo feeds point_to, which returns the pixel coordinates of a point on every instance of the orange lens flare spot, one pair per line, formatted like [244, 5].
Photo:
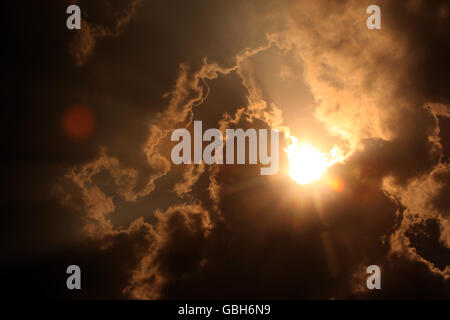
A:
[335, 184]
[78, 123]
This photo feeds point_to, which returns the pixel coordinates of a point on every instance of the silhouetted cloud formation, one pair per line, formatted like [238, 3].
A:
[117, 204]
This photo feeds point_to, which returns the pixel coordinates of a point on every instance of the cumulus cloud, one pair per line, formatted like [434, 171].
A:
[233, 233]
[167, 261]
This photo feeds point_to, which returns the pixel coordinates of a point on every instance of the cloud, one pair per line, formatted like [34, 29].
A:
[167, 261]
[265, 237]
[83, 43]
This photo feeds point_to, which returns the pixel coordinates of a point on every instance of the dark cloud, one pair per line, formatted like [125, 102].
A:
[141, 227]
[110, 18]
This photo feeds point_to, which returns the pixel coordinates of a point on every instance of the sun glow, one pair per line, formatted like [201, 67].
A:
[307, 164]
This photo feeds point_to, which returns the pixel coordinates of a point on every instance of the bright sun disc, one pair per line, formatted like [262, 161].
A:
[308, 164]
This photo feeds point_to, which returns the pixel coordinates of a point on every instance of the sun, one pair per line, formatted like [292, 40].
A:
[307, 164]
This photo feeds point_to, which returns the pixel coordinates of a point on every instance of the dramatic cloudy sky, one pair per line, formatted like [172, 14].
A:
[87, 117]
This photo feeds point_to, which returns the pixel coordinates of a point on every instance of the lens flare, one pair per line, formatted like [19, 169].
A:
[78, 123]
[307, 164]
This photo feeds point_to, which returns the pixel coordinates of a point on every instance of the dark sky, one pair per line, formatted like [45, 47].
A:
[87, 116]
